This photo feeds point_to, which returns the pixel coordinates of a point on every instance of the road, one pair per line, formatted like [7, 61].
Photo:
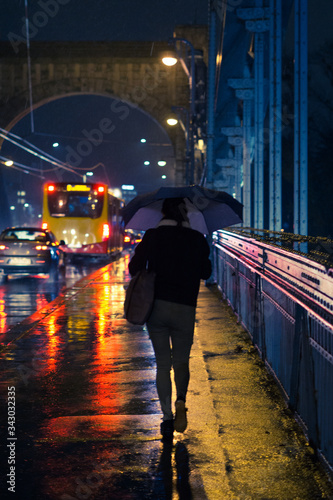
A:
[81, 383]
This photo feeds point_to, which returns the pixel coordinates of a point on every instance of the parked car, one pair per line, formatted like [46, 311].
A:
[29, 251]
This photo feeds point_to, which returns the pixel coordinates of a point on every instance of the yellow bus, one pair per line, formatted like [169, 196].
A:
[86, 217]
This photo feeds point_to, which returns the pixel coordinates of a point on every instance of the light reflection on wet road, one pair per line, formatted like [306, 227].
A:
[22, 296]
[87, 415]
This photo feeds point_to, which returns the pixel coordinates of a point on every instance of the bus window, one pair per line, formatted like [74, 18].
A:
[75, 204]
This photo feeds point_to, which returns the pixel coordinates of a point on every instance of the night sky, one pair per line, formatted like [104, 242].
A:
[102, 19]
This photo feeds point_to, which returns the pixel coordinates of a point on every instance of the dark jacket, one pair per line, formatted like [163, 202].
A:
[180, 257]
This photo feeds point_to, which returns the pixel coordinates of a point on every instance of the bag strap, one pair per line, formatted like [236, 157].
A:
[151, 260]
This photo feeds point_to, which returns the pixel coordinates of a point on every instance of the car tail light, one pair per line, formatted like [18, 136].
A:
[41, 247]
[44, 225]
[106, 231]
[3, 247]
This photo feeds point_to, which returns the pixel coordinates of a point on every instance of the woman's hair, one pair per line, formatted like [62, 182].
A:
[175, 209]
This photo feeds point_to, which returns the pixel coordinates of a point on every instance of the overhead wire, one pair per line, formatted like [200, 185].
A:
[9, 136]
[29, 66]
[21, 168]
[4, 161]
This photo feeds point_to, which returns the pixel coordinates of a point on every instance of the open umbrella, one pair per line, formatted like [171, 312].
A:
[208, 210]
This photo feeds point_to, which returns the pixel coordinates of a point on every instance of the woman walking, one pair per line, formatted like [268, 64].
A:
[180, 257]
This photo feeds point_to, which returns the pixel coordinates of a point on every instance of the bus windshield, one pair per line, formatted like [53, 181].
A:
[64, 203]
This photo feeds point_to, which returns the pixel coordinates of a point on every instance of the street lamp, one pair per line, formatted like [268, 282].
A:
[172, 121]
[183, 118]
[169, 60]
[186, 55]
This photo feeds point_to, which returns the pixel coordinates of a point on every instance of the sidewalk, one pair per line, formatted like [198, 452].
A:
[249, 445]
[88, 416]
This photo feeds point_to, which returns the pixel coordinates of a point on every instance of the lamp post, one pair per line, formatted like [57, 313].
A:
[186, 55]
[182, 113]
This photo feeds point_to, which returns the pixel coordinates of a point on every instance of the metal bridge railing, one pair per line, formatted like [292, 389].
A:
[284, 298]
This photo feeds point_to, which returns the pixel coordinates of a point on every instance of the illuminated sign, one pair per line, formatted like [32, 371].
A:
[78, 187]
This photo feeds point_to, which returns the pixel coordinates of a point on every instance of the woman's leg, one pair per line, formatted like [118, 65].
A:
[159, 334]
[182, 340]
[175, 321]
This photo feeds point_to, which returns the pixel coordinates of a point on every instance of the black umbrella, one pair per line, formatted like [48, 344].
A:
[208, 210]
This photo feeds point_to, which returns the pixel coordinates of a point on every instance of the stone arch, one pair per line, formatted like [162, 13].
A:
[156, 110]
[158, 118]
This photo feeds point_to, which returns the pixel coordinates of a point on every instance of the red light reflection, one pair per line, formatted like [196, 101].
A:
[127, 259]
[3, 314]
[41, 300]
[105, 378]
[53, 341]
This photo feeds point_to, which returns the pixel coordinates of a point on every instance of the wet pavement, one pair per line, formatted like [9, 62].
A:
[86, 419]
[21, 296]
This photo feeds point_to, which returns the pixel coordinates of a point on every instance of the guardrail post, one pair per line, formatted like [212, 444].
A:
[236, 292]
[302, 384]
[296, 360]
[258, 323]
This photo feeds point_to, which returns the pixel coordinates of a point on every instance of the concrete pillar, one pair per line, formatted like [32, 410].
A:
[235, 139]
[275, 116]
[257, 22]
[245, 91]
[301, 119]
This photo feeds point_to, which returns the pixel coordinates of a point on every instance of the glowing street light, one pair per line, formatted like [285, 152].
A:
[117, 192]
[183, 118]
[172, 121]
[9, 163]
[169, 59]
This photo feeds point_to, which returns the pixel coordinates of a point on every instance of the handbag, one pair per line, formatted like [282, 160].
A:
[139, 297]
